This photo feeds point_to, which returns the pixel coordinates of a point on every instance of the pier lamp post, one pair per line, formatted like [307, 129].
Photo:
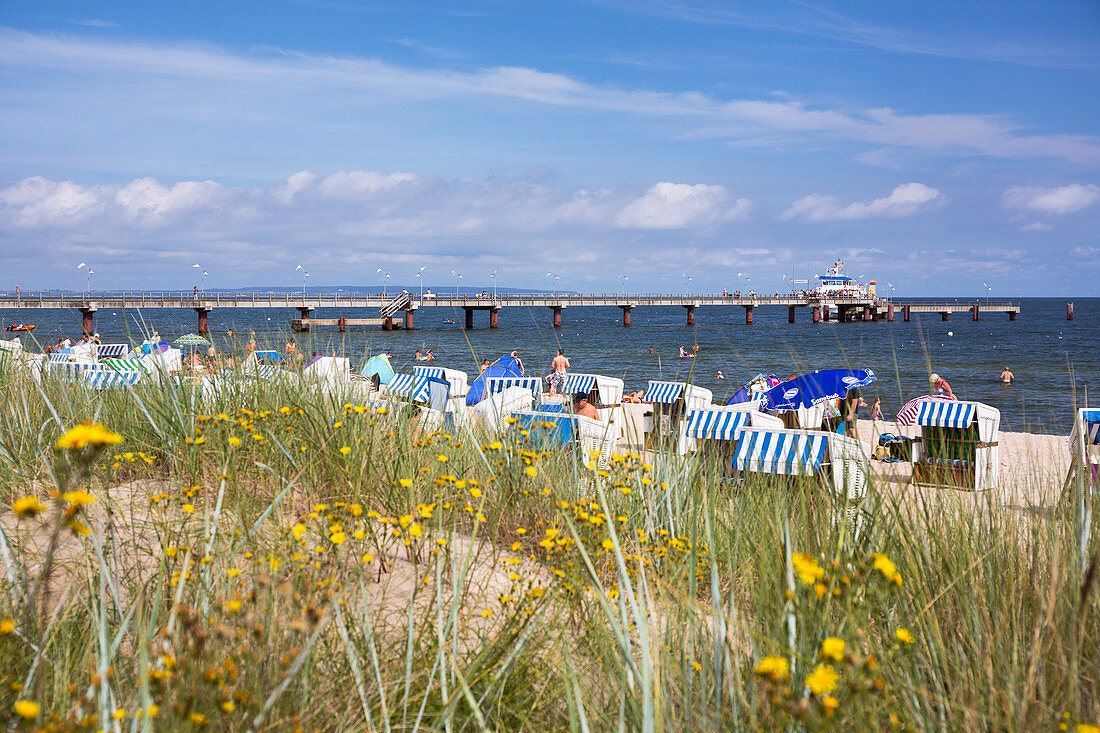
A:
[988, 293]
[202, 286]
[458, 280]
[305, 276]
[624, 279]
[493, 277]
[91, 272]
[685, 275]
[385, 276]
[555, 276]
[420, 277]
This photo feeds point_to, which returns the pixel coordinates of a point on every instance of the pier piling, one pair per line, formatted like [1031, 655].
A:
[303, 315]
[409, 320]
[748, 314]
[890, 313]
[944, 315]
[494, 318]
[204, 320]
[817, 314]
[342, 324]
[469, 318]
[88, 319]
[825, 312]
[690, 314]
[866, 313]
[557, 316]
[1069, 312]
[974, 312]
[905, 313]
[790, 314]
[626, 314]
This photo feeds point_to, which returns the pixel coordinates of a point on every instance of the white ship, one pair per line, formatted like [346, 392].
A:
[835, 285]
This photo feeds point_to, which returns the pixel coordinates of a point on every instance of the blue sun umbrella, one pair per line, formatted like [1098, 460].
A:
[814, 388]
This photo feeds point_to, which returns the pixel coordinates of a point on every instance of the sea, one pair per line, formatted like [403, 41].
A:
[1056, 362]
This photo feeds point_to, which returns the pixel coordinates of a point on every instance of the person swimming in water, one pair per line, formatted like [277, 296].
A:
[1007, 377]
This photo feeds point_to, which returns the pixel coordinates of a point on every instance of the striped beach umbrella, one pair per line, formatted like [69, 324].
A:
[907, 415]
[191, 339]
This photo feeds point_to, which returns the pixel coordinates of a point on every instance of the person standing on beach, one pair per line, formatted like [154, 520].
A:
[876, 409]
[558, 368]
[941, 387]
[1007, 377]
[519, 362]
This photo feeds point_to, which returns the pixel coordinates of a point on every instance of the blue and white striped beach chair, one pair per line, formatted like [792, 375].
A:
[494, 385]
[958, 445]
[104, 351]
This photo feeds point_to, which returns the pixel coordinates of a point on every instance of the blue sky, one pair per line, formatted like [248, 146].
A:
[937, 146]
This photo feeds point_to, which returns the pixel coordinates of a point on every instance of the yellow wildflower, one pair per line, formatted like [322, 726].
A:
[232, 606]
[189, 508]
[530, 470]
[778, 668]
[806, 567]
[78, 498]
[906, 636]
[405, 482]
[830, 704]
[442, 458]
[92, 434]
[7, 627]
[1087, 728]
[822, 680]
[887, 567]
[234, 440]
[28, 506]
[228, 706]
[27, 709]
[415, 530]
[832, 648]
[345, 450]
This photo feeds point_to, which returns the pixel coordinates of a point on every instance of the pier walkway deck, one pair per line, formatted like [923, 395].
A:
[391, 307]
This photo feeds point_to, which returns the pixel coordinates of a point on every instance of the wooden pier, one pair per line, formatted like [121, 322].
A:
[399, 310]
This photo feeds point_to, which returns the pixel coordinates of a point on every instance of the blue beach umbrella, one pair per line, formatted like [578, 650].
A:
[746, 394]
[812, 389]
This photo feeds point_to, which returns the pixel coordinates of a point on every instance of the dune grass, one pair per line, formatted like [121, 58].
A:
[283, 560]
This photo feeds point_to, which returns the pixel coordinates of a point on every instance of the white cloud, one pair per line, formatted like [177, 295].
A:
[1061, 200]
[905, 200]
[190, 79]
[1088, 253]
[1036, 226]
[680, 205]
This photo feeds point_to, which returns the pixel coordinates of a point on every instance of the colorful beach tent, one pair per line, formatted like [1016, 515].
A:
[506, 366]
[378, 365]
[746, 393]
[815, 388]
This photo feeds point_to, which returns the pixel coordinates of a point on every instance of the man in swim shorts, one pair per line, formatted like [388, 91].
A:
[557, 375]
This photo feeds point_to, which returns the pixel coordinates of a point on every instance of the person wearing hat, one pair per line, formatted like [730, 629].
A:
[940, 386]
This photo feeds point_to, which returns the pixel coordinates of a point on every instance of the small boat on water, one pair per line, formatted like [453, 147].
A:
[20, 327]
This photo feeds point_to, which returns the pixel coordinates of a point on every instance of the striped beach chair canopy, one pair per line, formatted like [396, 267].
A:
[128, 365]
[1091, 419]
[716, 424]
[59, 356]
[401, 385]
[493, 385]
[938, 414]
[427, 371]
[106, 379]
[663, 392]
[111, 350]
[783, 452]
[579, 383]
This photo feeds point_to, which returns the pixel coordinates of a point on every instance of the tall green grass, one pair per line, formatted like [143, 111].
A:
[639, 599]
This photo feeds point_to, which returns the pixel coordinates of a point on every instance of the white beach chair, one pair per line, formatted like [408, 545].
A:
[717, 427]
[489, 415]
[838, 462]
[958, 445]
[671, 400]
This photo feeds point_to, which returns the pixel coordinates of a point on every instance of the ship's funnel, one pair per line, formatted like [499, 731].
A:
[871, 288]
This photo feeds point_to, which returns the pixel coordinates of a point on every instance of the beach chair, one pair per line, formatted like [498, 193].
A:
[1084, 448]
[957, 446]
[671, 401]
[460, 386]
[490, 414]
[494, 385]
[73, 370]
[109, 379]
[838, 462]
[430, 394]
[715, 429]
[128, 365]
[105, 351]
[561, 430]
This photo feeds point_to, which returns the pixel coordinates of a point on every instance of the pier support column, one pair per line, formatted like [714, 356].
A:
[866, 312]
[342, 324]
[626, 314]
[1012, 315]
[890, 313]
[409, 325]
[748, 314]
[944, 315]
[974, 312]
[494, 318]
[690, 314]
[790, 314]
[817, 314]
[905, 313]
[825, 312]
[1069, 312]
[88, 319]
[303, 314]
[204, 320]
[469, 317]
[557, 316]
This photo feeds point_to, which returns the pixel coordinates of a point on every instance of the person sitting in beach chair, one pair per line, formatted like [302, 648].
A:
[958, 445]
